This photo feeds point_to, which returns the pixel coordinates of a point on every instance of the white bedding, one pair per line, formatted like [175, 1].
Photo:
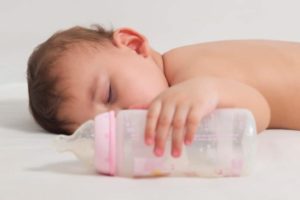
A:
[31, 169]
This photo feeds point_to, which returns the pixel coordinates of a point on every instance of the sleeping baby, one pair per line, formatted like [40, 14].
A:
[81, 72]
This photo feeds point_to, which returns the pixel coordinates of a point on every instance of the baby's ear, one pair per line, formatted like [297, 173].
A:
[126, 37]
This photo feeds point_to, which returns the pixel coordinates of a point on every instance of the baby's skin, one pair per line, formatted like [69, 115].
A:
[183, 85]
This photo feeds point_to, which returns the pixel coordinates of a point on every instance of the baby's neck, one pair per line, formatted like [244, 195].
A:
[158, 59]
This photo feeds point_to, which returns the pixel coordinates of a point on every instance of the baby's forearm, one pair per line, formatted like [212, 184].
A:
[233, 93]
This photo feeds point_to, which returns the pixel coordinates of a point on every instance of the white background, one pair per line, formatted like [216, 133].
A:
[167, 24]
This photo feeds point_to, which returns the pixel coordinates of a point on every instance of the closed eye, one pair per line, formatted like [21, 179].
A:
[109, 96]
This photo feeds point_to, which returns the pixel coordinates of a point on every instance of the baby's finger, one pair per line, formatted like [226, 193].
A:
[178, 130]
[193, 120]
[151, 121]
[163, 128]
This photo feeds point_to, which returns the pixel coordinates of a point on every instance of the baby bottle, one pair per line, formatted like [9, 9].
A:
[113, 143]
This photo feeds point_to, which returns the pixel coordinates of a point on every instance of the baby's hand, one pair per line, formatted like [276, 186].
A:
[179, 109]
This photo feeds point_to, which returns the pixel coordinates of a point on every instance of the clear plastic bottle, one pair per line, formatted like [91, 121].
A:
[113, 143]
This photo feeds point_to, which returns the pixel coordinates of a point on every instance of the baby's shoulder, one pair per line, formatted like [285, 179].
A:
[177, 59]
[185, 62]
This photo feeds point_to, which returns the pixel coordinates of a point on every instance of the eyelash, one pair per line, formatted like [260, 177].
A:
[108, 100]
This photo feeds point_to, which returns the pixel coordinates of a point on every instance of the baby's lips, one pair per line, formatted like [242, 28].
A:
[141, 106]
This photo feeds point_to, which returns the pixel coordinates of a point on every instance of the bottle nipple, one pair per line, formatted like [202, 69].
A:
[81, 143]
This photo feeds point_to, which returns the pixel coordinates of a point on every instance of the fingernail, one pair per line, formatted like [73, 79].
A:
[187, 142]
[158, 152]
[176, 153]
[149, 141]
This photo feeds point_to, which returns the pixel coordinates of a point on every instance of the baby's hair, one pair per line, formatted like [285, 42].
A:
[45, 97]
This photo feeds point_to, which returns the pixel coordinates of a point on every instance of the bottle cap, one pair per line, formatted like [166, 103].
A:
[105, 148]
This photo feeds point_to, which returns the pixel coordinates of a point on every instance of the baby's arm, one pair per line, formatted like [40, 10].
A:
[233, 93]
[185, 104]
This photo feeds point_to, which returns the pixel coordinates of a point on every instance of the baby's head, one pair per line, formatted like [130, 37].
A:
[80, 72]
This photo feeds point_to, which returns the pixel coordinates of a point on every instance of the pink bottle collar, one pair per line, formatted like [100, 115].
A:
[105, 143]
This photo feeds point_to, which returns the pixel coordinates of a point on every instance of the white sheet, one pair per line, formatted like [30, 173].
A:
[31, 169]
